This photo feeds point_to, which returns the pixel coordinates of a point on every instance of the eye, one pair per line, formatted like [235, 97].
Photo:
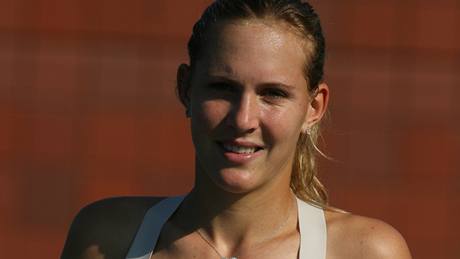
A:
[274, 93]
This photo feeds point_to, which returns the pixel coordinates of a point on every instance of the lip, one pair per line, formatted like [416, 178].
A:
[240, 158]
[240, 142]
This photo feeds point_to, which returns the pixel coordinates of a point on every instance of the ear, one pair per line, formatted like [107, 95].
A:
[183, 85]
[317, 107]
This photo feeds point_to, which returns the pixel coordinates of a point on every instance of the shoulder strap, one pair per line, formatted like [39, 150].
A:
[313, 232]
[147, 236]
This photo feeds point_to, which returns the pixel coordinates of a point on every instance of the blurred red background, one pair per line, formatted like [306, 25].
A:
[88, 111]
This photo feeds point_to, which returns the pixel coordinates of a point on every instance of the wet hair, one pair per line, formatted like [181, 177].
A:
[301, 17]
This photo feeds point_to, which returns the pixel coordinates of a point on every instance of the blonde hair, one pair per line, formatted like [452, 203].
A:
[304, 178]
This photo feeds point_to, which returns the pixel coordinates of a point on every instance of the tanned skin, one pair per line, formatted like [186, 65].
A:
[105, 229]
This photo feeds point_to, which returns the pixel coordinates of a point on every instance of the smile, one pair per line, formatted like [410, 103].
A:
[239, 149]
[240, 152]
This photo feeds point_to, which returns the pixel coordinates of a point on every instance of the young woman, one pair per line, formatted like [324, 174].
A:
[255, 95]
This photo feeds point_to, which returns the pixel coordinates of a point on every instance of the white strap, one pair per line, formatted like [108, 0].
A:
[147, 236]
[313, 232]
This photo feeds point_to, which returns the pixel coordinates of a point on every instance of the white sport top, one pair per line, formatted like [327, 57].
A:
[312, 228]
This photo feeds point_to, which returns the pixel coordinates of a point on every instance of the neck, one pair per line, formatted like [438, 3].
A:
[235, 221]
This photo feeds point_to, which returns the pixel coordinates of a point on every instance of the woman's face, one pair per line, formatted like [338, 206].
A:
[248, 103]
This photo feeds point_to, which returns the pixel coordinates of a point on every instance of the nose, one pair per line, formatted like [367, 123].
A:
[244, 116]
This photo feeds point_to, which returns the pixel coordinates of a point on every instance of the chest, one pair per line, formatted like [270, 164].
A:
[309, 240]
[192, 246]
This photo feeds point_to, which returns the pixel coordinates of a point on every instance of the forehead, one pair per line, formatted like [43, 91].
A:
[256, 45]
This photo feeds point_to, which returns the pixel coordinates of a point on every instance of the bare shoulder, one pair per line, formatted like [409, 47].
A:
[104, 229]
[352, 236]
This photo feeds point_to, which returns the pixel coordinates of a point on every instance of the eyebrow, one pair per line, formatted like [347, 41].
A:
[235, 82]
[224, 79]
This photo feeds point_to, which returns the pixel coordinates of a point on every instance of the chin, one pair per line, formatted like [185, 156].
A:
[236, 181]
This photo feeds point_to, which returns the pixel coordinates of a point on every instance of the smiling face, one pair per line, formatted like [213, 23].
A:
[248, 103]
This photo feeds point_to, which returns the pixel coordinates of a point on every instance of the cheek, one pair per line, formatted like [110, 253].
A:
[209, 114]
[283, 124]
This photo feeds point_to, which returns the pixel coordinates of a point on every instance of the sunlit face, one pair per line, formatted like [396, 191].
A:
[249, 103]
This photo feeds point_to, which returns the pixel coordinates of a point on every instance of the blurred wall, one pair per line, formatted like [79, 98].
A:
[88, 110]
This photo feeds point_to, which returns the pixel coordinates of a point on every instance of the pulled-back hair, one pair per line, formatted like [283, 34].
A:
[304, 21]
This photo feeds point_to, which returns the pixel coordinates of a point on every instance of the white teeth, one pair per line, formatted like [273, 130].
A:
[239, 149]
